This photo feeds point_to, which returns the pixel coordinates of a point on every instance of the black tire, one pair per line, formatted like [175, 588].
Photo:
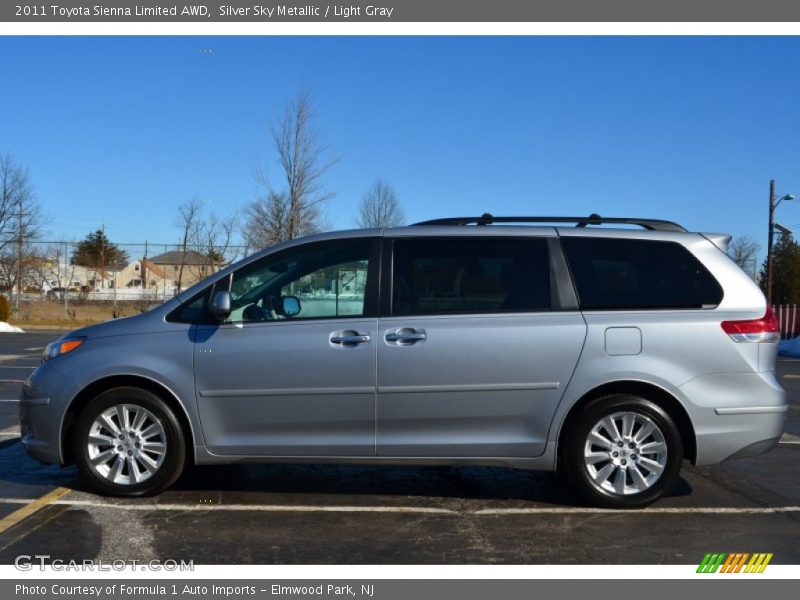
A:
[575, 441]
[174, 455]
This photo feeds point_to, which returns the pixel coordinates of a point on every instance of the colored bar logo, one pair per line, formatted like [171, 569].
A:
[737, 562]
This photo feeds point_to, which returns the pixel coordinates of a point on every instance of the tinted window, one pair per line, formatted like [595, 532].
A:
[470, 276]
[638, 274]
[329, 280]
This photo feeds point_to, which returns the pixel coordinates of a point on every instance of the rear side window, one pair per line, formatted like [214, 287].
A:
[433, 276]
[638, 274]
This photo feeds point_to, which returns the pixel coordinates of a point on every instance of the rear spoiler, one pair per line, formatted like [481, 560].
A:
[720, 240]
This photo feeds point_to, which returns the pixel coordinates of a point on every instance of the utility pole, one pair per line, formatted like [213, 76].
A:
[770, 238]
[144, 269]
[103, 257]
[164, 280]
[67, 283]
[20, 227]
[115, 312]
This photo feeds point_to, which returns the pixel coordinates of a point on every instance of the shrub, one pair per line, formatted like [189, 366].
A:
[5, 308]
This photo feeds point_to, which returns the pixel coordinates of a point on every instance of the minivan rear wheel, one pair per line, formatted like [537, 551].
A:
[128, 442]
[622, 451]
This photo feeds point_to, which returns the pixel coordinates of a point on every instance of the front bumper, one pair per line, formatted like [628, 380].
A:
[735, 415]
[43, 404]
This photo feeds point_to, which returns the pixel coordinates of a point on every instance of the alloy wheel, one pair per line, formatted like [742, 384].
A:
[625, 453]
[126, 444]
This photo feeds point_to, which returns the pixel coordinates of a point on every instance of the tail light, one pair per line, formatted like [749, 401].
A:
[765, 329]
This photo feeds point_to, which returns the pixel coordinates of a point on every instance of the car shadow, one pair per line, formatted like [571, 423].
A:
[398, 482]
[326, 483]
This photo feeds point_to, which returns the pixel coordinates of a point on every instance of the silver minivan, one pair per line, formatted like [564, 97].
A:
[609, 353]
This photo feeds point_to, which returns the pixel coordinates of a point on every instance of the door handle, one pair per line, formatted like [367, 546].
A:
[405, 336]
[349, 338]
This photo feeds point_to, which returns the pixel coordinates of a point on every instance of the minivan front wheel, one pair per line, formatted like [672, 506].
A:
[623, 452]
[128, 442]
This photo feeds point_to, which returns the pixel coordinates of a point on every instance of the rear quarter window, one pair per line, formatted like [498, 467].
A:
[638, 274]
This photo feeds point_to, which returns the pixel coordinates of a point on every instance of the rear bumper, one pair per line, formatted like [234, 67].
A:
[739, 436]
[735, 415]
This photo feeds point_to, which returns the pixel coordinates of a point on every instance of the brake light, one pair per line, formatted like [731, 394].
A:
[765, 329]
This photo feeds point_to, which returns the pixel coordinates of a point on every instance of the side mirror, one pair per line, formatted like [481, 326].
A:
[291, 305]
[221, 305]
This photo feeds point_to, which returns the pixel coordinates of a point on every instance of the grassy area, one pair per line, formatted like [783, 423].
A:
[47, 313]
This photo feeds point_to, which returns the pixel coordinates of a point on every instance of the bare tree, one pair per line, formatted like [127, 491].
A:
[266, 220]
[380, 207]
[20, 221]
[16, 273]
[55, 266]
[744, 252]
[212, 240]
[215, 237]
[188, 222]
[19, 211]
[208, 235]
[15, 190]
[278, 215]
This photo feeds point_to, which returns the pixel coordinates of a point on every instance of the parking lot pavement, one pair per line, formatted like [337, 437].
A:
[361, 514]
[20, 353]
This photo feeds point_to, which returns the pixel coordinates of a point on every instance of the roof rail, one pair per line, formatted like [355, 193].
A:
[593, 219]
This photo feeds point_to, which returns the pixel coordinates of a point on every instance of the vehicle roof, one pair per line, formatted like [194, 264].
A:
[533, 230]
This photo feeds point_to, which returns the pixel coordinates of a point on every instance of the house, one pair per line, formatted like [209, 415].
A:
[137, 272]
[47, 274]
[196, 266]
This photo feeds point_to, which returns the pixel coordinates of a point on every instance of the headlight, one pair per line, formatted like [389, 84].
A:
[61, 347]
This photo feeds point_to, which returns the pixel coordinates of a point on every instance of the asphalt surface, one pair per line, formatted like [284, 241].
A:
[256, 514]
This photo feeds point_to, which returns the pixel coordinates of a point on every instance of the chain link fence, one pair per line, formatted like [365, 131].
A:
[47, 280]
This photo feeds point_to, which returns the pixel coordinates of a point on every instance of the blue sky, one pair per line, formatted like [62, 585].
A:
[121, 130]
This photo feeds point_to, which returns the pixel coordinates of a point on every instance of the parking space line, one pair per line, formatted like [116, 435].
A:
[29, 530]
[153, 506]
[30, 508]
[721, 510]
[787, 439]
[10, 432]
[12, 380]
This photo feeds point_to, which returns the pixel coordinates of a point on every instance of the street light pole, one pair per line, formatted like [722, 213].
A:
[770, 239]
[772, 206]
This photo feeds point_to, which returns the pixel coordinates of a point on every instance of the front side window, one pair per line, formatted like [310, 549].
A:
[192, 311]
[324, 280]
[439, 276]
[638, 274]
